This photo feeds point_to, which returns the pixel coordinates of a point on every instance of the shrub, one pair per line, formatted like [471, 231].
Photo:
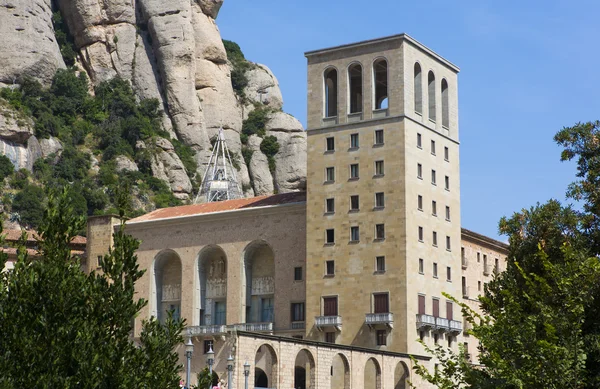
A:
[269, 146]
[256, 122]
[240, 66]
[247, 155]
[6, 167]
[29, 204]
[19, 179]
[186, 154]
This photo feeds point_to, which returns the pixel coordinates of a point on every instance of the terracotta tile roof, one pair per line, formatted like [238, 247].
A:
[32, 237]
[222, 206]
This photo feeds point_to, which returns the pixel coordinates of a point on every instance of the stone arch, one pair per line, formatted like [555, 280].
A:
[445, 107]
[211, 287]
[401, 376]
[431, 95]
[340, 372]
[372, 379]
[418, 88]
[380, 83]
[265, 367]
[330, 84]
[258, 282]
[355, 88]
[166, 285]
[304, 370]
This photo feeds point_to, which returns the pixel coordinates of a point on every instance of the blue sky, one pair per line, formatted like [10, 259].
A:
[528, 68]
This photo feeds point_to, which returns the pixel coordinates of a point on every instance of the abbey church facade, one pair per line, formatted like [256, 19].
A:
[332, 287]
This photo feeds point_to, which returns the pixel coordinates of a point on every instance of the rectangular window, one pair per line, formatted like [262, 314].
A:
[433, 147]
[447, 183]
[354, 234]
[330, 306]
[435, 274]
[433, 180]
[446, 154]
[433, 208]
[297, 312]
[329, 236]
[448, 245]
[464, 287]
[421, 266]
[420, 234]
[329, 268]
[449, 310]
[434, 238]
[354, 141]
[267, 310]
[379, 168]
[379, 231]
[420, 202]
[354, 204]
[329, 144]
[479, 286]
[298, 273]
[380, 264]
[330, 337]
[379, 200]
[220, 309]
[419, 140]
[378, 137]
[496, 266]
[436, 307]
[419, 171]
[447, 213]
[208, 345]
[354, 171]
[381, 303]
[330, 174]
[448, 273]
[330, 205]
[478, 257]
[381, 337]
[421, 305]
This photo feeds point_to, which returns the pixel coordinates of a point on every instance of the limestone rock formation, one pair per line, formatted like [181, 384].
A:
[262, 88]
[28, 46]
[262, 180]
[167, 166]
[16, 138]
[50, 146]
[124, 164]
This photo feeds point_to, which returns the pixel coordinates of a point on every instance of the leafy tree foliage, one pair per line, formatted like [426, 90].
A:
[29, 205]
[6, 167]
[270, 147]
[62, 328]
[256, 122]
[240, 66]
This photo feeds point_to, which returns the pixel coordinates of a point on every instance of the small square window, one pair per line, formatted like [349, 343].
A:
[433, 147]
[329, 144]
[379, 231]
[433, 180]
[380, 264]
[434, 208]
[330, 205]
[208, 345]
[379, 168]
[448, 273]
[419, 140]
[447, 183]
[420, 202]
[329, 268]
[378, 137]
[329, 236]
[434, 237]
[381, 337]
[419, 171]
[448, 213]
[354, 203]
[448, 245]
[421, 266]
[435, 275]
[379, 200]
[354, 171]
[446, 154]
[298, 273]
[330, 174]
[330, 337]
[420, 234]
[354, 234]
[354, 141]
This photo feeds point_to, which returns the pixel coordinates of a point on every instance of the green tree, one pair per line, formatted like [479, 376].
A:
[62, 328]
[6, 167]
[29, 205]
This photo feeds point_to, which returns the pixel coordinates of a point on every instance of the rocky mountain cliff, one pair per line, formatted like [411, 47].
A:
[170, 51]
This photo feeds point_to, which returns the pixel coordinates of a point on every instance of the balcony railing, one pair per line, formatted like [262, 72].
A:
[298, 325]
[455, 326]
[442, 324]
[465, 290]
[425, 321]
[464, 262]
[205, 330]
[328, 321]
[380, 318]
[255, 327]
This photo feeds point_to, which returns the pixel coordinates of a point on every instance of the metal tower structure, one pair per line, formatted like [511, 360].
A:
[219, 182]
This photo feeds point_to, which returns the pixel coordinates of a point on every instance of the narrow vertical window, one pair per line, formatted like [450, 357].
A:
[433, 178]
[330, 236]
[330, 205]
[419, 171]
[447, 183]
[329, 144]
[354, 203]
[431, 95]
[329, 174]
[434, 238]
[433, 147]
[379, 231]
[380, 87]
[435, 275]
[420, 234]
[421, 265]
[379, 171]
[355, 88]
[378, 137]
[445, 108]
[418, 89]
[354, 234]
[379, 200]
[420, 202]
[419, 140]
[433, 208]
[353, 171]
[331, 86]
[380, 264]
[447, 213]
[354, 141]
[329, 268]
[448, 245]
[448, 273]
[446, 154]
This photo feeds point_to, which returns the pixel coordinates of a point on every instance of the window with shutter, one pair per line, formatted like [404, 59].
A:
[330, 307]
[381, 303]
[421, 305]
[436, 307]
[449, 311]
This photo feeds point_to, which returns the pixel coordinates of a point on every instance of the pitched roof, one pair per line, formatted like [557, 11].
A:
[222, 206]
[32, 237]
